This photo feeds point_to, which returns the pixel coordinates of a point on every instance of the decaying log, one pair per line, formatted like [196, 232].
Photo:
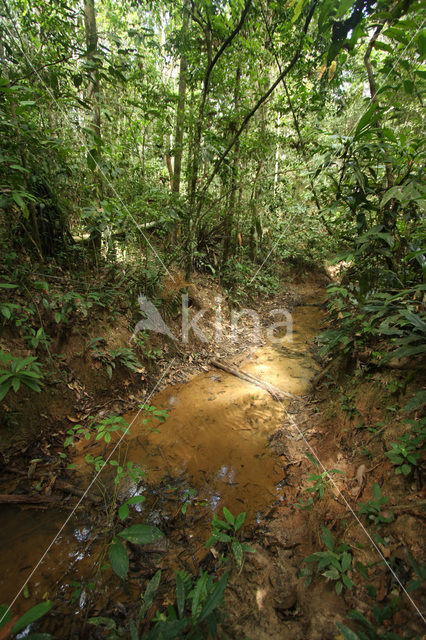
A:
[277, 394]
[69, 488]
[21, 498]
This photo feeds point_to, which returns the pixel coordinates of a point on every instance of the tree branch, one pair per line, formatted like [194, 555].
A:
[259, 103]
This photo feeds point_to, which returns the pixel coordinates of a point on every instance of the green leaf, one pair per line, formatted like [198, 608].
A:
[198, 592]
[4, 615]
[119, 558]
[312, 459]
[141, 534]
[332, 573]
[101, 621]
[417, 401]
[403, 352]
[33, 614]
[421, 42]
[297, 10]
[343, 8]
[239, 521]
[339, 588]
[136, 500]
[346, 561]
[347, 633]
[327, 538]
[134, 635]
[91, 163]
[216, 597]
[150, 592]
[376, 491]
[238, 552]
[347, 581]
[180, 594]
[366, 119]
[415, 320]
[228, 516]
[123, 511]
[382, 46]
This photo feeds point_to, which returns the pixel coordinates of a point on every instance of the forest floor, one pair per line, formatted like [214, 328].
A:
[347, 423]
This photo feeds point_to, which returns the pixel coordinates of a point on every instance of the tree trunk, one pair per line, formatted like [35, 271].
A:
[94, 141]
[230, 211]
[180, 112]
[195, 202]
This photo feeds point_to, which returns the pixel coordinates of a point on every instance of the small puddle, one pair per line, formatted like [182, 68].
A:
[214, 442]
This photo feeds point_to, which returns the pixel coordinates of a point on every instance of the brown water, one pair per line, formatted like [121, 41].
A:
[214, 441]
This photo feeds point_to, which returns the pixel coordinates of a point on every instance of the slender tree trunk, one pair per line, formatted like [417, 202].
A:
[168, 158]
[194, 206]
[94, 154]
[180, 112]
[232, 197]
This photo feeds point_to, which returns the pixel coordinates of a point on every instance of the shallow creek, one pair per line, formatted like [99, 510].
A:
[214, 442]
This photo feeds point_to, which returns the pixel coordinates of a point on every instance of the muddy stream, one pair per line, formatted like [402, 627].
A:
[211, 452]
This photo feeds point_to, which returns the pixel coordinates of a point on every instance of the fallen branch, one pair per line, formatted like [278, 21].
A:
[74, 491]
[277, 394]
[21, 498]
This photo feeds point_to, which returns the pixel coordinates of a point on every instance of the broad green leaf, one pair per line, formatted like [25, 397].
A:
[119, 558]
[134, 635]
[382, 46]
[216, 597]
[297, 10]
[404, 352]
[150, 592]
[366, 119]
[4, 615]
[327, 538]
[123, 511]
[421, 42]
[136, 500]
[33, 614]
[239, 521]
[376, 491]
[141, 533]
[332, 573]
[100, 621]
[346, 561]
[347, 633]
[197, 596]
[347, 581]
[228, 516]
[238, 552]
[417, 401]
[312, 459]
[415, 320]
[343, 8]
[180, 594]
